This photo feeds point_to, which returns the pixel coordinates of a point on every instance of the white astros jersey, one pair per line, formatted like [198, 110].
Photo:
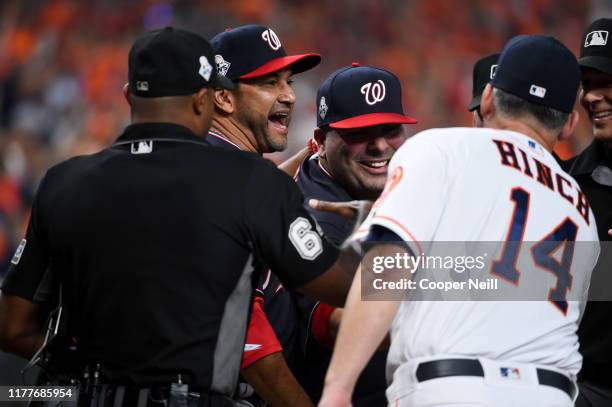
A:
[467, 184]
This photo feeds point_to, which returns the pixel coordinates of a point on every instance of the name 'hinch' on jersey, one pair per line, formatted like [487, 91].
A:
[544, 175]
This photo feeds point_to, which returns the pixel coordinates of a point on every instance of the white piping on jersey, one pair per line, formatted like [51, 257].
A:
[324, 170]
[222, 137]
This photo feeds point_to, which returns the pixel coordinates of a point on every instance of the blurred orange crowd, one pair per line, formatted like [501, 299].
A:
[63, 64]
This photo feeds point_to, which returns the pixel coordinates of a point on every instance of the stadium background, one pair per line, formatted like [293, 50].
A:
[63, 64]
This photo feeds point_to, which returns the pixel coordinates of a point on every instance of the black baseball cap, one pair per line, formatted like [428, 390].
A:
[360, 96]
[172, 62]
[250, 51]
[596, 47]
[539, 69]
[484, 71]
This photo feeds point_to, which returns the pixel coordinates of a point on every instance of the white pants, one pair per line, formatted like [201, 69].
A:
[493, 390]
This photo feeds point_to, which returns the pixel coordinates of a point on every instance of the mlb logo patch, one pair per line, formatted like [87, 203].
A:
[142, 86]
[142, 147]
[537, 91]
[205, 68]
[493, 71]
[510, 373]
[594, 38]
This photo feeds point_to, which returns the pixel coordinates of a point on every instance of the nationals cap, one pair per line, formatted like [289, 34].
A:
[360, 96]
[596, 47]
[172, 62]
[250, 51]
[484, 71]
[539, 69]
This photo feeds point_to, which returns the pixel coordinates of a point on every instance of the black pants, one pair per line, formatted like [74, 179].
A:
[592, 395]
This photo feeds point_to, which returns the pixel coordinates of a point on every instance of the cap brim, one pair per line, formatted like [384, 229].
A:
[372, 119]
[475, 103]
[603, 64]
[224, 82]
[298, 63]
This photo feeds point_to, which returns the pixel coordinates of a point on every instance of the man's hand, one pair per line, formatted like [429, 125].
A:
[335, 397]
[292, 164]
[353, 210]
[273, 381]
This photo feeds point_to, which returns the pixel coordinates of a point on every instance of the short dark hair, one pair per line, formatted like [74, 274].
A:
[513, 106]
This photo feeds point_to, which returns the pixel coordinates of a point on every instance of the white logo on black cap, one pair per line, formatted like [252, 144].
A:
[272, 39]
[205, 68]
[599, 37]
[142, 86]
[374, 92]
[323, 108]
[537, 91]
[493, 71]
[222, 65]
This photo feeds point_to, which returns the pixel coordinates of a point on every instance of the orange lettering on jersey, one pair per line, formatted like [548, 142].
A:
[544, 175]
[560, 181]
[508, 154]
[392, 181]
[583, 206]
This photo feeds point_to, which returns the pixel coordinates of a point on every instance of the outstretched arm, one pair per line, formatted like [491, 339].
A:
[291, 165]
[364, 326]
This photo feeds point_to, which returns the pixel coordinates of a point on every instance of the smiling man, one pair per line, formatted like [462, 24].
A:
[359, 127]
[593, 171]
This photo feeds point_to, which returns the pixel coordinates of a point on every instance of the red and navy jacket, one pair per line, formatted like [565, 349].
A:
[316, 343]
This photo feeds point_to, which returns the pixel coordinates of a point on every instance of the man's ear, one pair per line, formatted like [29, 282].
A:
[126, 93]
[319, 136]
[225, 101]
[487, 108]
[570, 125]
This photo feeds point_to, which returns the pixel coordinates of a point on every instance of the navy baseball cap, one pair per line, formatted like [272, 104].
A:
[250, 51]
[596, 47]
[484, 71]
[172, 62]
[539, 69]
[360, 96]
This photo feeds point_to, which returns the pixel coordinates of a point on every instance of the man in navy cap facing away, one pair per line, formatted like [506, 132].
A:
[360, 125]
[498, 184]
[593, 171]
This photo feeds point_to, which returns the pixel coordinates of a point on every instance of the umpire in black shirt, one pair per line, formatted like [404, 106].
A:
[154, 244]
[593, 171]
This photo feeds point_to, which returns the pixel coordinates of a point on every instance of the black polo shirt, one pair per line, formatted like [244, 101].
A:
[315, 182]
[593, 171]
[157, 241]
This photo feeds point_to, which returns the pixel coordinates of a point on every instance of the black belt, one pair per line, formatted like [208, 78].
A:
[472, 367]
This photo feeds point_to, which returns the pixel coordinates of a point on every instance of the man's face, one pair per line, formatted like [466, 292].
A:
[264, 106]
[359, 158]
[596, 98]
